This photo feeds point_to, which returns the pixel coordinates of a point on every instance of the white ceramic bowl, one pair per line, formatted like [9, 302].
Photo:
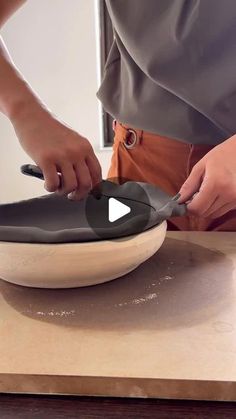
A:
[77, 264]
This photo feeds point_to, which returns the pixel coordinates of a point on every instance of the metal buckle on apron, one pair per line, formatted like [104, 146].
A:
[131, 139]
[114, 125]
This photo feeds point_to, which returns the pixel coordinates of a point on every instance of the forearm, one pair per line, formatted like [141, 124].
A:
[51, 144]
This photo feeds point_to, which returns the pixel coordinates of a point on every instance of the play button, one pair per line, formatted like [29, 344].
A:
[120, 209]
[117, 210]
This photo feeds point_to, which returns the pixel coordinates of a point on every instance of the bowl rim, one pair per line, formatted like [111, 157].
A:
[88, 244]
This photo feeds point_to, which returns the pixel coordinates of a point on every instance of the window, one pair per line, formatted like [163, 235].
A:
[106, 38]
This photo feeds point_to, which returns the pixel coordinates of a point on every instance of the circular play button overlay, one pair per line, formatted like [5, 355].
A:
[118, 208]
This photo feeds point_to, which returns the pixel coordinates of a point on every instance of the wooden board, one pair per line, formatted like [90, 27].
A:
[168, 329]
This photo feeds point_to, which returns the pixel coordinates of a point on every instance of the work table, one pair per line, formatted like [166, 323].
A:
[165, 330]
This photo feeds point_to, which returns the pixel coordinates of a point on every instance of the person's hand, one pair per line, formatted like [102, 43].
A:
[213, 180]
[57, 148]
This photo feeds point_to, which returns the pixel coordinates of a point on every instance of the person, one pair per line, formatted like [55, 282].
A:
[169, 83]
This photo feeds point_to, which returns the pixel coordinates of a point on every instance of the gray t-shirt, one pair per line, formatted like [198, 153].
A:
[172, 68]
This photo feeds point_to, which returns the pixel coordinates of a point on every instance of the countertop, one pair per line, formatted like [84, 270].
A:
[166, 330]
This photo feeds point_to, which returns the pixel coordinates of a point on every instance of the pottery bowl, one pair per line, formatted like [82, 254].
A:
[69, 265]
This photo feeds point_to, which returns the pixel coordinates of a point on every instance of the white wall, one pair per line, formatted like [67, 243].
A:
[53, 43]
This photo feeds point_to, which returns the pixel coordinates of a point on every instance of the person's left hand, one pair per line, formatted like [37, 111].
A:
[212, 182]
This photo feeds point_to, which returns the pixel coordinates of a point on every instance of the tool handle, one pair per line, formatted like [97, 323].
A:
[32, 170]
[35, 171]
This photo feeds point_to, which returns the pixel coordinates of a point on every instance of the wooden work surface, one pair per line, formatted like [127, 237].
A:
[166, 330]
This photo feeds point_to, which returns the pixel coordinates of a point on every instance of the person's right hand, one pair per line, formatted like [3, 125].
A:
[57, 148]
